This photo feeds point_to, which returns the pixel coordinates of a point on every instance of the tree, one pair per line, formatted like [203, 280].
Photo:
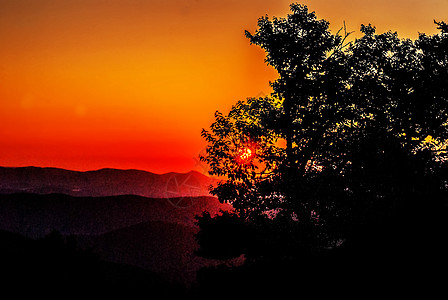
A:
[350, 134]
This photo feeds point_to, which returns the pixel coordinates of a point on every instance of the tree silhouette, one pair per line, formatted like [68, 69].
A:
[351, 142]
[303, 109]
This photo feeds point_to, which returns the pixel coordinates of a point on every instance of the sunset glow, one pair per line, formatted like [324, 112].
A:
[244, 154]
[90, 84]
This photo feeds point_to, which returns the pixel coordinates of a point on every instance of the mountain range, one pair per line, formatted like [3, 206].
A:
[104, 182]
[128, 217]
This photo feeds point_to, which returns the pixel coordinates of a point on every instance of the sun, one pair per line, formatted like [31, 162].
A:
[244, 154]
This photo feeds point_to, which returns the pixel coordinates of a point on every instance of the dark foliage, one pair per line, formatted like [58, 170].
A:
[347, 178]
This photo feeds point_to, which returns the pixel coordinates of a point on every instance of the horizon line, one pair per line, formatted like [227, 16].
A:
[104, 168]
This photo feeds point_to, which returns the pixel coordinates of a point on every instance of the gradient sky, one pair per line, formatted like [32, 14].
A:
[88, 84]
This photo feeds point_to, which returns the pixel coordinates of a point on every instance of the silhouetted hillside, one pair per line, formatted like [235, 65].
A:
[104, 182]
[36, 215]
[108, 212]
[164, 248]
[153, 234]
[55, 266]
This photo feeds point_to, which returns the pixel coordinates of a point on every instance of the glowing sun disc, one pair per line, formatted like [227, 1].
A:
[245, 154]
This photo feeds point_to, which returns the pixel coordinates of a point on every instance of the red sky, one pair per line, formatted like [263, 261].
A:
[87, 84]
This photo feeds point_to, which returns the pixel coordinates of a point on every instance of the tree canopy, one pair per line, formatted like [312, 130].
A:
[353, 133]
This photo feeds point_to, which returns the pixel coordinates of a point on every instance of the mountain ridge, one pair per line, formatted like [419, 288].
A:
[98, 170]
[149, 233]
[104, 182]
[35, 215]
[130, 217]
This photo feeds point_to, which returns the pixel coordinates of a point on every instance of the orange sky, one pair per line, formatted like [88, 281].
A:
[87, 84]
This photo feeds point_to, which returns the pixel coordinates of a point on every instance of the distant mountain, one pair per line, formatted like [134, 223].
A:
[129, 217]
[154, 234]
[104, 182]
[35, 215]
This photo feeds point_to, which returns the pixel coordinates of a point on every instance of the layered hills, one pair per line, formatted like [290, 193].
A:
[104, 182]
[128, 217]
